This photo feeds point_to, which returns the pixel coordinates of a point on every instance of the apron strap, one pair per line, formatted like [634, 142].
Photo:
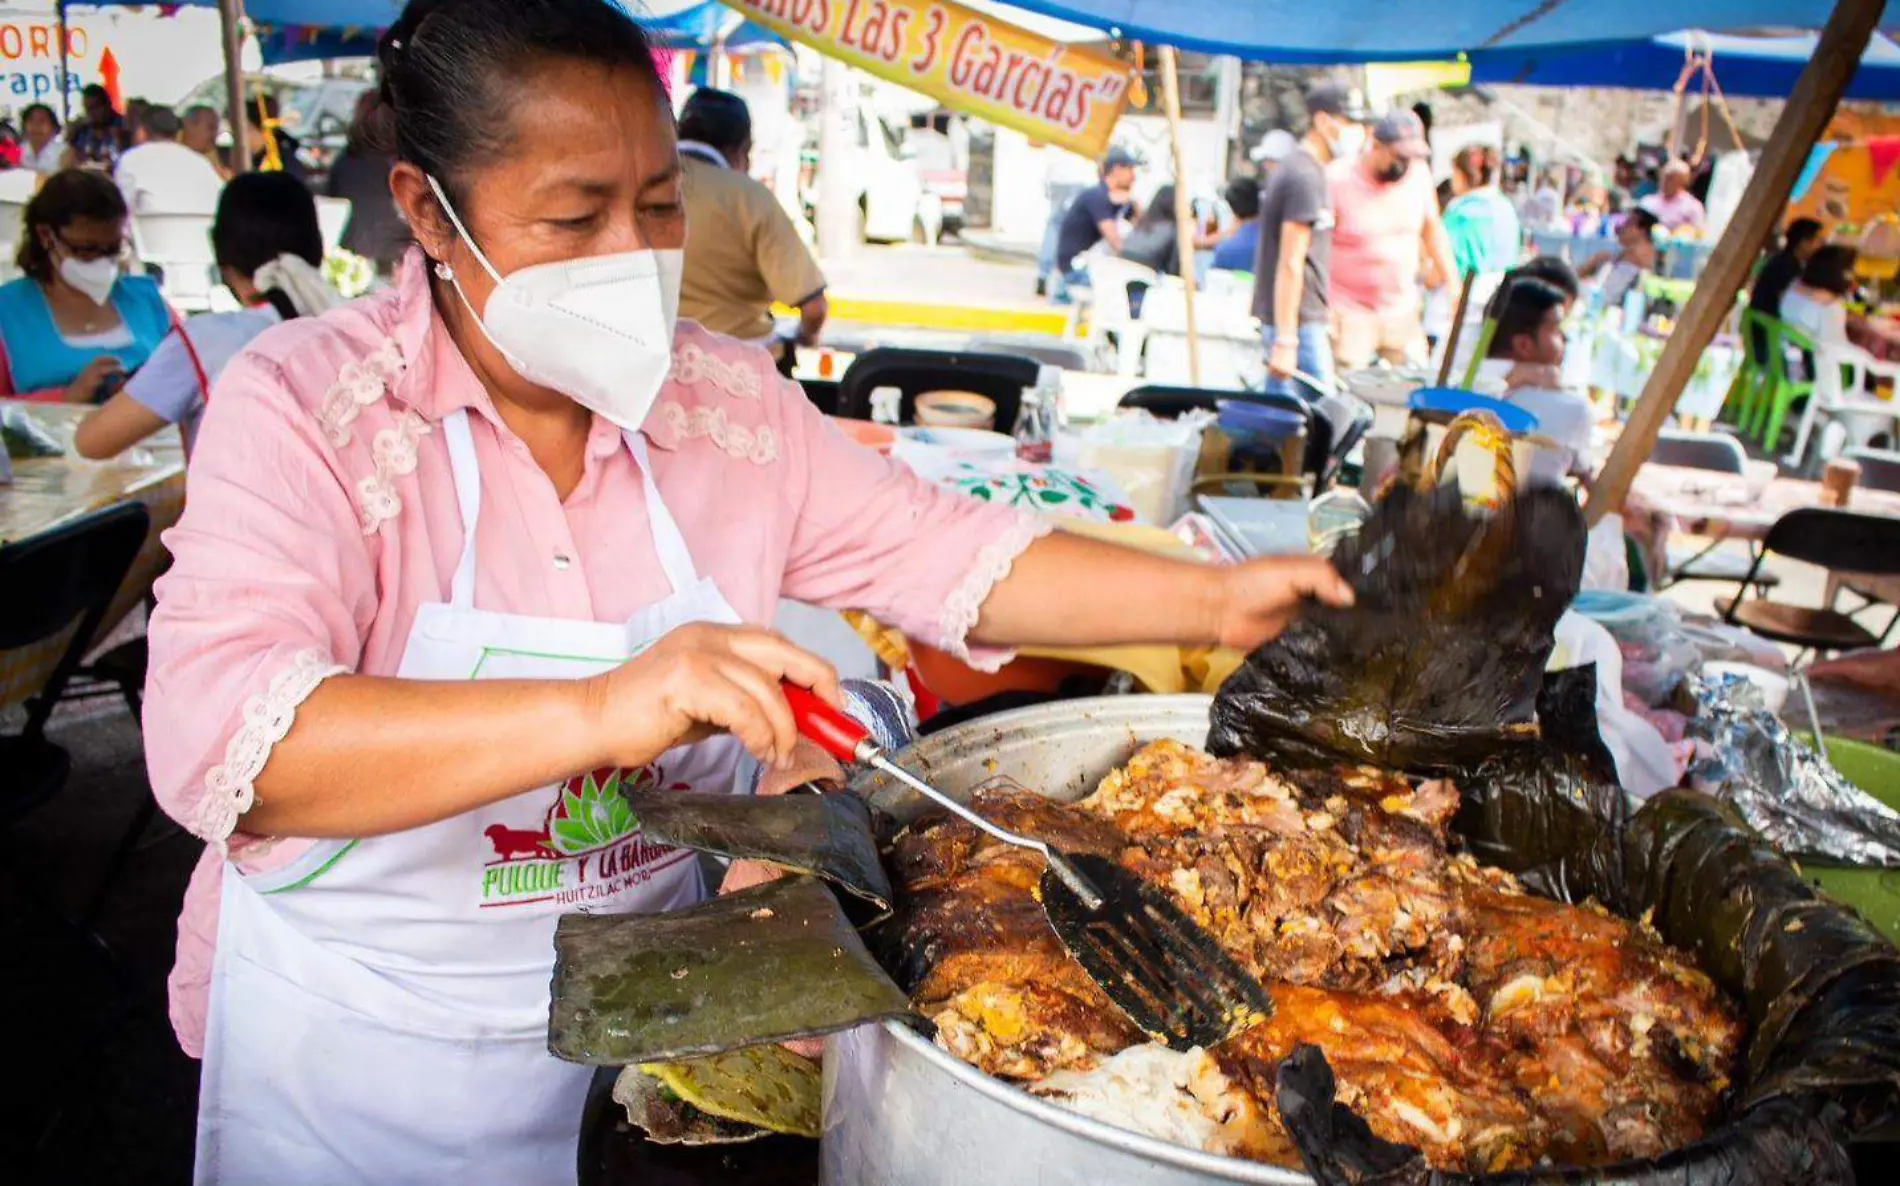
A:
[468, 495]
[675, 559]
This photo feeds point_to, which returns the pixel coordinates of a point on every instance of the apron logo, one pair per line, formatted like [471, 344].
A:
[589, 846]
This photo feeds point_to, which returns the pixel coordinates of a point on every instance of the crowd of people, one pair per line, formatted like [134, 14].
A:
[80, 325]
[1356, 257]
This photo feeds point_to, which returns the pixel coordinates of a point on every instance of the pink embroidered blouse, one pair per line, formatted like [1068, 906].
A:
[321, 513]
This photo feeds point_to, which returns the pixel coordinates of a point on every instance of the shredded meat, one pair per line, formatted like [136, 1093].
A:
[1491, 1029]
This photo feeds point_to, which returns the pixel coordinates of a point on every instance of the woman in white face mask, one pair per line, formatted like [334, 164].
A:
[452, 548]
[73, 326]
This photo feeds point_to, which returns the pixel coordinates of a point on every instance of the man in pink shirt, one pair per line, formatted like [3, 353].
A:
[1675, 207]
[1386, 213]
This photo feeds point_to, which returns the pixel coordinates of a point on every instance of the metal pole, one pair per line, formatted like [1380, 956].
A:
[1183, 207]
[231, 21]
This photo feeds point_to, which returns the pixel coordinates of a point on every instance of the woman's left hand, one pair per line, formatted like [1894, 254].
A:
[1259, 599]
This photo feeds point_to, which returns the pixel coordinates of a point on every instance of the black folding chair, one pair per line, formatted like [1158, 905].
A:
[1879, 468]
[1717, 453]
[65, 580]
[1169, 402]
[1000, 378]
[1841, 541]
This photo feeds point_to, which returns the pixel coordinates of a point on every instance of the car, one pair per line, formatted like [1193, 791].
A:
[941, 174]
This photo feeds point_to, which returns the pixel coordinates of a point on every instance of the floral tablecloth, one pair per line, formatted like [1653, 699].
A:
[1000, 477]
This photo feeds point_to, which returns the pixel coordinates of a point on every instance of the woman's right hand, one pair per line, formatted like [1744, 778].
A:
[698, 680]
[84, 389]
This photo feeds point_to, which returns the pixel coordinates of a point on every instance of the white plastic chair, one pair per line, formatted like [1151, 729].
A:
[1109, 314]
[17, 186]
[333, 216]
[12, 226]
[1854, 412]
[179, 245]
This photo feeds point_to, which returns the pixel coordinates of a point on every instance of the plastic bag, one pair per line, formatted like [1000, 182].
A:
[1439, 662]
[1645, 762]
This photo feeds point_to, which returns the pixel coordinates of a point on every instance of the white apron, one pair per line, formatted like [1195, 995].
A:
[379, 1009]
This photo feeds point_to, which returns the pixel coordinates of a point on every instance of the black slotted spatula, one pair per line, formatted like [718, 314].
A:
[1154, 962]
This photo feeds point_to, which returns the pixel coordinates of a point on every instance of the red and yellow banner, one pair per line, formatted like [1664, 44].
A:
[1055, 93]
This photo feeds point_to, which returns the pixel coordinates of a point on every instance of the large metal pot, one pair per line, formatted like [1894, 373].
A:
[901, 1112]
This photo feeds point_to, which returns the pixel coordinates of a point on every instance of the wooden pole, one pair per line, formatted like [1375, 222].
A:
[1457, 327]
[231, 22]
[1183, 206]
[65, 69]
[1806, 116]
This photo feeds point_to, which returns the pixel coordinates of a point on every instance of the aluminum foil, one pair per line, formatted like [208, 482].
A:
[1786, 791]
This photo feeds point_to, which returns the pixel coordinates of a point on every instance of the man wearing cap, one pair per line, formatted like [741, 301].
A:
[742, 251]
[1095, 216]
[1674, 206]
[1291, 294]
[1387, 220]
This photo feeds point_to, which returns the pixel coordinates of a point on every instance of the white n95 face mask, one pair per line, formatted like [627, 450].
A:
[94, 277]
[597, 329]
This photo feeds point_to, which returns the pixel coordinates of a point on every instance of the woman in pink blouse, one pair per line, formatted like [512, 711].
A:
[452, 547]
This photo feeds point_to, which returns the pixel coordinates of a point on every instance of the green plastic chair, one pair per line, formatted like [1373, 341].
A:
[1755, 376]
[1784, 388]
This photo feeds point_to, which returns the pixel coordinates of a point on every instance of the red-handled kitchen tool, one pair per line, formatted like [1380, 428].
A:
[1153, 961]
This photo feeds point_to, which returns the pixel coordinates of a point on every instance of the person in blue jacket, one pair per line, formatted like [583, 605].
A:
[74, 325]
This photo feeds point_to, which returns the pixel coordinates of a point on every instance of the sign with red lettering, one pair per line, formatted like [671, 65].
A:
[29, 59]
[1055, 93]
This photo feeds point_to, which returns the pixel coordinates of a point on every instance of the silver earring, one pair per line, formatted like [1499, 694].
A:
[444, 271]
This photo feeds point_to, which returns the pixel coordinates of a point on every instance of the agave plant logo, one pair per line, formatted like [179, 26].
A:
[592, 811]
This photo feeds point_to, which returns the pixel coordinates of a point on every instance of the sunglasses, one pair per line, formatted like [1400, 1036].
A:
[90, 251]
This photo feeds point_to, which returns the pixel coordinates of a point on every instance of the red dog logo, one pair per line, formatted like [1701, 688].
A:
[514, 844]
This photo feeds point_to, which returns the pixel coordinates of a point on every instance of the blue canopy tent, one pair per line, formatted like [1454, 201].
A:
[279, 44]
[1759, 66]
[1299, 31]
[708, 26]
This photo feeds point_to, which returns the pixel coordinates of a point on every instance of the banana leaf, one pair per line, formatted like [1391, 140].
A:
[1819, 986]
[828, 836]
[1439, 662]
[767, 964]
[740, 1095]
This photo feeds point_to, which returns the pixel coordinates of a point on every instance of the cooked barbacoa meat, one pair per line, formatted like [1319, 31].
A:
[1489, 1028]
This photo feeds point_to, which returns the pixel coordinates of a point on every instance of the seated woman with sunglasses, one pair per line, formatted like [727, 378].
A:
[74, 326]
[269, 249]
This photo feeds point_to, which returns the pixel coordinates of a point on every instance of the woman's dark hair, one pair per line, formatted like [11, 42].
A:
[95, 91]
[450, 70]
[1525, 304]
[1476, 163]
[1799, 232]
[1553, 270]
[261, 108]
[1643, 220]
[67, 196]
[1243, 197]
[372, 127]
[262, 216]
[26, 113]
[1830, 269]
